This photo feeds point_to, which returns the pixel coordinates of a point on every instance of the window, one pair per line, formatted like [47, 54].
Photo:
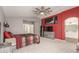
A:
[29, 28]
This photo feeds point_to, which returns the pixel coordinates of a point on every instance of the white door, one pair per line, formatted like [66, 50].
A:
[71, 29]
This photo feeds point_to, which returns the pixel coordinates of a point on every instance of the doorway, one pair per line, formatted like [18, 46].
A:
[29, 28]
[71, 29]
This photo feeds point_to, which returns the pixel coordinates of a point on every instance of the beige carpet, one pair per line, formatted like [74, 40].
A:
[49, 46]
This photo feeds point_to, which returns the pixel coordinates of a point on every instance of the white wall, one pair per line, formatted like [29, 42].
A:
[1, 20]
[37, 26]
[16, 25]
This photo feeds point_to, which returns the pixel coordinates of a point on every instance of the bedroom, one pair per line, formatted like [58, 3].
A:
[22, 20]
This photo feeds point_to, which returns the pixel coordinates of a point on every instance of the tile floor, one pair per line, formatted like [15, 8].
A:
[49, 46]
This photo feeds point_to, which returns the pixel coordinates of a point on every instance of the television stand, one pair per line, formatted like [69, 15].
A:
[48, 34]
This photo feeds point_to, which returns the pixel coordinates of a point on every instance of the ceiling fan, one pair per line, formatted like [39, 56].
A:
[42, 11]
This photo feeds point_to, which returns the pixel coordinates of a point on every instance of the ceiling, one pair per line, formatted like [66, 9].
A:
[27, 11]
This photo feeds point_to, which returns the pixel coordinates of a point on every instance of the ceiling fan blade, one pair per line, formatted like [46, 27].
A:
[50, 10]
[47, 8]
[45, 13]
[36, 13]
[37, 9]
[42, 8]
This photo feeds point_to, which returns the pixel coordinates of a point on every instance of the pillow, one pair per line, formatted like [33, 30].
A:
[7, 35]
[11, 34]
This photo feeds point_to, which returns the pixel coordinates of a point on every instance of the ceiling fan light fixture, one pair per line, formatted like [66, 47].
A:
[42, 11]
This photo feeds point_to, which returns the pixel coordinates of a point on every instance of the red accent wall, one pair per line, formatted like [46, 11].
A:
[59, 28]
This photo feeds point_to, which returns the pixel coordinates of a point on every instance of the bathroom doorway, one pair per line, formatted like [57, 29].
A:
[71, 29]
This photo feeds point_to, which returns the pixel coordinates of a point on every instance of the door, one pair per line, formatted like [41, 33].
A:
[71, 29]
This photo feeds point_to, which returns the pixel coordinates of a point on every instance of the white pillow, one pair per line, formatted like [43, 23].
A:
[11, 40]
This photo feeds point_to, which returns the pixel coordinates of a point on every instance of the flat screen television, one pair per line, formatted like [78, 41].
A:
[52, 20]
[49, 20]
[49, 29]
